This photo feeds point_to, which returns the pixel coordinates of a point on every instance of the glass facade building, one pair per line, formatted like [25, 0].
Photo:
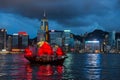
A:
[15, 40]
[40, 35]
[3, 33]
[92, 46]
[23, 40]
[56, 37]
[20, 40]
[112, 39]
[67, 37]
[9, 43]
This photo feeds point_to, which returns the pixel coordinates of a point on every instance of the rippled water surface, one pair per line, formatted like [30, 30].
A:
[75, 67]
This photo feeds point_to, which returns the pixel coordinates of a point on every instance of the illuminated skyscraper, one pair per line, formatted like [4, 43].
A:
[76, 45]
[15, 40]
[43, 33]
[66, 40]
[44, 23]
[92, 46]
[67, 37]
[112, 39]
[9, 43]
[19, 41]
[40, 35]
[56, 37]
[23, 40]
[3, 33]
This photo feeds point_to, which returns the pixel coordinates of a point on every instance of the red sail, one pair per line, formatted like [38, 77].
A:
[28, 52]
[59, 52]
[45, 49]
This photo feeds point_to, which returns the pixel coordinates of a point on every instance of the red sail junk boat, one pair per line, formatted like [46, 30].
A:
[45, 54]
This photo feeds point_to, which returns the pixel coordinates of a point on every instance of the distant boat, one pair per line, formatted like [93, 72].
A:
[45, 54]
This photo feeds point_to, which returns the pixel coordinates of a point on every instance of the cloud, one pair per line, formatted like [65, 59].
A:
[15, 23]
[68, 13]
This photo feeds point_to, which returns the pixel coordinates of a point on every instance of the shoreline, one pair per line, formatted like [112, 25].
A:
[10, 52]
[19, 52]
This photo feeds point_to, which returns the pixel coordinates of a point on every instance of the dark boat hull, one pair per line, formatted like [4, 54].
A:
[38, 60]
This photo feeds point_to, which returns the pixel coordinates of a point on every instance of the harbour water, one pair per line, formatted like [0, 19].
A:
[76, 67]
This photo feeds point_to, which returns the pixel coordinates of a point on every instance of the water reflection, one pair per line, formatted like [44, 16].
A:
[44, 72]
[29, 72]
[76, 67]
[92, 70]
[93, 60]
[2, 63]
[15, 67]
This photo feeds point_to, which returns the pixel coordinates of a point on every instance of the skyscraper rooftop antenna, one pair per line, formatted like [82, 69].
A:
[44, 14]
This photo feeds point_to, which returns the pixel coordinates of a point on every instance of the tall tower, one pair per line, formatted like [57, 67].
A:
[44, 26]
[112, 38]
[43, 33]
[44, 23]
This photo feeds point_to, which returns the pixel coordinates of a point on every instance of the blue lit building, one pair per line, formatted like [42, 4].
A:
[15, 40]
[92, 46]
[67, 40]
[67, 37]
[112, 39]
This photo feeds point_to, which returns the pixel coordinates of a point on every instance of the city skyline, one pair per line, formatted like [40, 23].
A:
[79, 16]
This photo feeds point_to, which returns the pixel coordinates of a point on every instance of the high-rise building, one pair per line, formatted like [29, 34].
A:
[9, 43]
[40, 35]
[118, 45]
[56, 37]
[112, 39]
[76, 45]
[23, 40]
[92, 46]
[19, 41]
[15, 40]
[3, 33]
[66, 40]
[43, 32]
[67, 37]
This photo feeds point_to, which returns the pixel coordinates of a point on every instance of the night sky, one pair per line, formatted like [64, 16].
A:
[79, 16]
